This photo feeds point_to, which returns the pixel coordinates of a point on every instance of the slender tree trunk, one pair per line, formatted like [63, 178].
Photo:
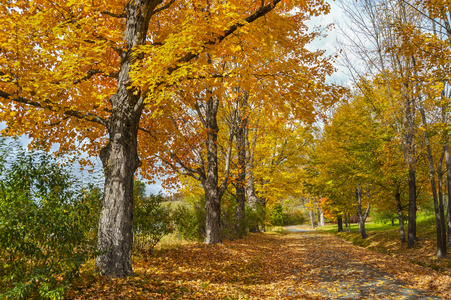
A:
[312, 219]
[252, 198]
[250, 184]
[448, 180]
[362, 217]
[320, 213]
[400, 217]
[321, 218]
[348, 222]
[340, 223]
[241, 178]
[440, 174]
[438, 208]
[412, 226]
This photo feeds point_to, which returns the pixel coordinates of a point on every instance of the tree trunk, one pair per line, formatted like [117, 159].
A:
[120, 157]
[252, 198]
[241, 178]
[312, 219]
[115, 237]
[441, 200]
[412, 226]
[250, 184]
[348, 222]
[362, 217]
[340, 223]
[438, 207]
[400, 218]
[321, 218]
[212, 192]
[448, 180]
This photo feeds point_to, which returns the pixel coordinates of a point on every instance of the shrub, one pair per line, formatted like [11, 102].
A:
[190, 220]
[276, 215]
[255, 218]
[46, 228]
[151, 221]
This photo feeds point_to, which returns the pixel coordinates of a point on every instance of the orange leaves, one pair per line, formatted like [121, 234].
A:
[262, 266]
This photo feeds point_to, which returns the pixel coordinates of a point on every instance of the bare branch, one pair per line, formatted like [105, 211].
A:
[148, 132]
[163, 7]
[177, 170]
[121, 15]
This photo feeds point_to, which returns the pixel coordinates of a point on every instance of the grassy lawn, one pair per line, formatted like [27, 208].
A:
[385, 238]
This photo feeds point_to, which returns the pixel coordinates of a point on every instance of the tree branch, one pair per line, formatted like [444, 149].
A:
[93, 72]
[48, 105]
[227, 166]
[177, 169]
[163, 7]
[121, 15]
[263, 10]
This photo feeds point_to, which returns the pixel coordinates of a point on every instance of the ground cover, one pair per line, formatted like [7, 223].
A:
[303, 265]
[385, 239]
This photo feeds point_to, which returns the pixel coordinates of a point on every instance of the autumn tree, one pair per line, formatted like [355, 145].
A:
[94, 76]
[262, 74]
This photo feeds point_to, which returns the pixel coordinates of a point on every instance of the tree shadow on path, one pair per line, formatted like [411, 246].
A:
[338, 271]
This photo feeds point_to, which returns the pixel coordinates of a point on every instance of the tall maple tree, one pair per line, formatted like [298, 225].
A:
[89, 74]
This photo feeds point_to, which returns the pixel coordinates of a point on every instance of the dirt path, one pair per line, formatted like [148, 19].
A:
[341, 272]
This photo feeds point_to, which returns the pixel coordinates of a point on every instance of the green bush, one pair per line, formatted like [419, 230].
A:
[255, 218]
[295, 218]
[151, 221]
[276, 215]
[46, 225]
[228, 217]
[190, 220]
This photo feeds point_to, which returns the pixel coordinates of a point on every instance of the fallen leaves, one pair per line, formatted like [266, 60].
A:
[261, 266]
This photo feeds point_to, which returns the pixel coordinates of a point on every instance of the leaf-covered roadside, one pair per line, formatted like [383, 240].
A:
[421, 256]
[259, 266]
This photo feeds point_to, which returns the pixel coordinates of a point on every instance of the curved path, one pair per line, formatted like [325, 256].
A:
[342, 273]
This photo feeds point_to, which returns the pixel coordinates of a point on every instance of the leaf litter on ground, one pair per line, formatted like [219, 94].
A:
[301, 265]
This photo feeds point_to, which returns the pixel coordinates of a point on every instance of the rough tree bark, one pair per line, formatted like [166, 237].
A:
[120, 156]
[213, 192]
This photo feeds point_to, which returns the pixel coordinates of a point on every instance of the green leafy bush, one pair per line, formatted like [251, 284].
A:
[46, 225]
[151, 221]
[276, 215]
[255, 218]
[190, 220]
